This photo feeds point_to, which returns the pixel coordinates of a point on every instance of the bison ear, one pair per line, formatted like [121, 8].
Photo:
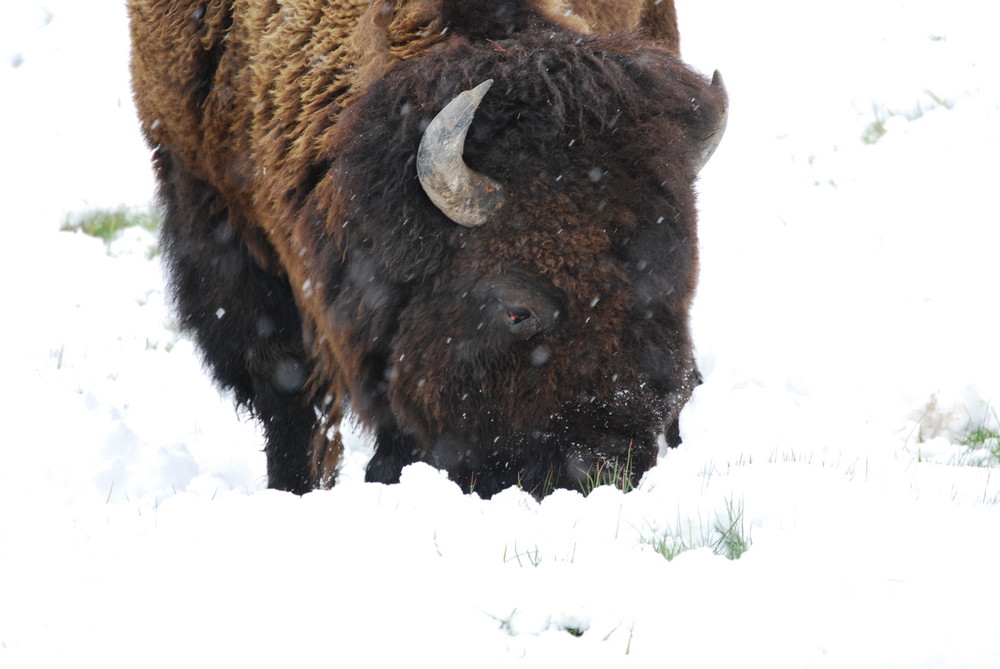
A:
[708, 141]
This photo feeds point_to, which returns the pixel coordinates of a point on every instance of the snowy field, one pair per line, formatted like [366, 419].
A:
[846, 324]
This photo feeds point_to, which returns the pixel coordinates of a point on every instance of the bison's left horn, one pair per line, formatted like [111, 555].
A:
[464, 195]
[711, 141]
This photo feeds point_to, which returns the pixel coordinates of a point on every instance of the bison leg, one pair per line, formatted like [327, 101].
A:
[393, 451]
[672, 426]
[243, 318]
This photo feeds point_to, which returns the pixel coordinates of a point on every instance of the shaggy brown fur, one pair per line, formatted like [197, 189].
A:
[312, 268]
[237, 87]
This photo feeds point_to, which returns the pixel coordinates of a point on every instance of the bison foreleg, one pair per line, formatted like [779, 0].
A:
[393, 451]
[243, 318]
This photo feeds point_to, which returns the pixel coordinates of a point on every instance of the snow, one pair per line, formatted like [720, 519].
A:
[845, 325]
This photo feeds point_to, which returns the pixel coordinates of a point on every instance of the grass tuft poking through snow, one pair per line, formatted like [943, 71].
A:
[610, 473]
[108, 225]
[982, 439]
[727, 536]
[732, 535]
[878, 128]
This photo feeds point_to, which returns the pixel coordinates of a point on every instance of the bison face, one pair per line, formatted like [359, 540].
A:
[548, 349]
[539, 272]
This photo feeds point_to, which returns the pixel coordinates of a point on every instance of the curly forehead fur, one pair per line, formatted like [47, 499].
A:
[559, 118]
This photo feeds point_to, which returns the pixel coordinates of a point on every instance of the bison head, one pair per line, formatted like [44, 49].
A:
[512, 271]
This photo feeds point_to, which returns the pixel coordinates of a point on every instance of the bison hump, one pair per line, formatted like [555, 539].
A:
[492, 20]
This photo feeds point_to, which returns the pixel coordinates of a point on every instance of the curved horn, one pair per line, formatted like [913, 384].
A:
[711, 141]
[461, 193]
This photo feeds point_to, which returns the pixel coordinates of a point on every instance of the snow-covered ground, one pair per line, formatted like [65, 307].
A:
[846, 324]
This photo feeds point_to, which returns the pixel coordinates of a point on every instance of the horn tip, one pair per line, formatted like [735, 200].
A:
[479, 92]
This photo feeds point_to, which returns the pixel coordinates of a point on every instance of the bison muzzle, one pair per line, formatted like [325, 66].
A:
[470, 224]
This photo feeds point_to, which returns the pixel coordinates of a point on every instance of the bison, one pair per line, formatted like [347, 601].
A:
[470, 224]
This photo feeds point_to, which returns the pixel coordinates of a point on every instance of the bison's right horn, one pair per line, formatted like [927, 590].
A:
[464, 195]
[711, 141]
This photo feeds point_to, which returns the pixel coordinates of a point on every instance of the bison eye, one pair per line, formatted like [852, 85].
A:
[518, 315]
[521, 321]
[519, 306]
